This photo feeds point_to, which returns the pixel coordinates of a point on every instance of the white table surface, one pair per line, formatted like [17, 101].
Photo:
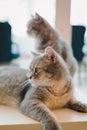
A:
[12, 119]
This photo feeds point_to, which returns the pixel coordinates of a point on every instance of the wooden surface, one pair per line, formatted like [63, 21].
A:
[11, 119]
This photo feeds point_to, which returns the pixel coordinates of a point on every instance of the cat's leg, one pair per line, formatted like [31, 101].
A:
[38, 110]
[77, 105]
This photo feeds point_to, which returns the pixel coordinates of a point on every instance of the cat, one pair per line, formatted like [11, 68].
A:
[45, 36]
[48, 85]
[11, 79]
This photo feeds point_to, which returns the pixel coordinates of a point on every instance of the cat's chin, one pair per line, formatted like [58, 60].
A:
[32, 83]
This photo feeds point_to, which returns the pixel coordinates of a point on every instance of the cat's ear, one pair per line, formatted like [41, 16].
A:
[34, 54]
[38, 18]
[52, 55]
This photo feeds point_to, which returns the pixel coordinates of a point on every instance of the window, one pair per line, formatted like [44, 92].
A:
[79, 16]
[18, 12]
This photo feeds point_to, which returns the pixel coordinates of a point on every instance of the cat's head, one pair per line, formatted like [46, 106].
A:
[46, 68]
[37, 26]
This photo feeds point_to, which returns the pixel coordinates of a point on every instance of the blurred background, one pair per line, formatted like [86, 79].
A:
[67, 16]
[17, 13]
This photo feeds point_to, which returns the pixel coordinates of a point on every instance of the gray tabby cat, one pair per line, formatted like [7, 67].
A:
[45, 36]
[51, 87]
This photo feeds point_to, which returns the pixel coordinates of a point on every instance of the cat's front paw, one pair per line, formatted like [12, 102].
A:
[52, 126]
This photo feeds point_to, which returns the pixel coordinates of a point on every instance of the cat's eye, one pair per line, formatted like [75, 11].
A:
[36, 71]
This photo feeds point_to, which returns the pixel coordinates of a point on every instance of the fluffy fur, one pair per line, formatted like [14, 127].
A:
[11, 79]
[45, 36]
[48, 85]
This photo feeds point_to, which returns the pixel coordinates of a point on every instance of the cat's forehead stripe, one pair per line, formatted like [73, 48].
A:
[35, 63]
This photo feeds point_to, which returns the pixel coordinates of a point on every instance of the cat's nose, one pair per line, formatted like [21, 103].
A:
[30, 77]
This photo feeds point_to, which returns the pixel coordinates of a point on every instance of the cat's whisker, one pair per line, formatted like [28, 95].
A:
[24, 82]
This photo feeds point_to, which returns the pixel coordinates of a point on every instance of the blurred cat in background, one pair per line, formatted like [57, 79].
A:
[45, 36]
[48, 84]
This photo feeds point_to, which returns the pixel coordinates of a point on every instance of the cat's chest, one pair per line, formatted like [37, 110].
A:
[56, 99]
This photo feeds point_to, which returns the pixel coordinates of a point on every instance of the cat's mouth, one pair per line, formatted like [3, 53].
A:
[33, 83]
[29, 30]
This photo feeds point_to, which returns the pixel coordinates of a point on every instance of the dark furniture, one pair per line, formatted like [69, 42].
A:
[78, 41]
[6, 43]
